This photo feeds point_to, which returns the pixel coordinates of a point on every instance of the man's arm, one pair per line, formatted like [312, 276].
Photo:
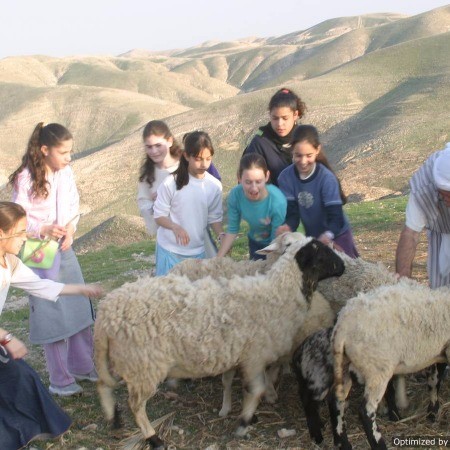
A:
[406, 251]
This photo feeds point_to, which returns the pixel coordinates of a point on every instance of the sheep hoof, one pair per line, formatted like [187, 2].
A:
[155, 442]
[224, 412]
[271, 397]
[433, 409]
[241, 431]
[117, 420]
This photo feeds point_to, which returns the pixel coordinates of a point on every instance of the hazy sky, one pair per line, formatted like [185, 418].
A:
[75, 27]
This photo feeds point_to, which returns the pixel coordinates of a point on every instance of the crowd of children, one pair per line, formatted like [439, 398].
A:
[283, 179]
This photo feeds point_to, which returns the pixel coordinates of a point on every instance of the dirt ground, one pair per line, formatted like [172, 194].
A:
[193, 407]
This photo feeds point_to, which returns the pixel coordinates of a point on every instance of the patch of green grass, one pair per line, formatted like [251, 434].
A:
[116, 265]
[377, 215]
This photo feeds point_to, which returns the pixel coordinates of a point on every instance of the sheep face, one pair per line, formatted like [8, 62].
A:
[317, 261]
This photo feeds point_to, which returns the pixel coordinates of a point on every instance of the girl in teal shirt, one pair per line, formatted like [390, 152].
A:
[261, 205]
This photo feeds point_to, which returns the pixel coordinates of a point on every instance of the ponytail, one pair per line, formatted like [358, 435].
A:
[287, 98]
[194, 144]
[51, 135]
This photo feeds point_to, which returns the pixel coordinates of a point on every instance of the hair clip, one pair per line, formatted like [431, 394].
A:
[285, 91]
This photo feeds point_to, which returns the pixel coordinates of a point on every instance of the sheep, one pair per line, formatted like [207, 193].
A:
[359, 276]
[168, 326]
[391, 330]
[319, 315]
[312, 364]
[225, 267]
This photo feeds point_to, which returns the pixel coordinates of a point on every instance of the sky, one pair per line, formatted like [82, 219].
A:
[111, 27]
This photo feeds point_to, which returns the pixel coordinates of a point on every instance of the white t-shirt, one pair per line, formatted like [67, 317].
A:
[146, 194]
[24, 278]
[193, 207]
[415, 219]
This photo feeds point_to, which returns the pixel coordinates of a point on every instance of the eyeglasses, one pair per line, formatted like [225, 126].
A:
[18, 234]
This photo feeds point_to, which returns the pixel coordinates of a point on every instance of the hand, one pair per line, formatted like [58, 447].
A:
[54, 231]
[325, 238]
[67, 240]
[282, 229]
[93, 290]
[16, 348]
[181, 235]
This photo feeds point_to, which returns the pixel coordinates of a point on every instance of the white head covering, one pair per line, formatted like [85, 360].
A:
[441, 169]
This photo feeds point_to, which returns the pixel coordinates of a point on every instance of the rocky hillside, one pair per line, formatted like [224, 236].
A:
[376, 86]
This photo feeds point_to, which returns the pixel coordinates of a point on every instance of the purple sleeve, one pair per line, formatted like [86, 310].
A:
[214, 172]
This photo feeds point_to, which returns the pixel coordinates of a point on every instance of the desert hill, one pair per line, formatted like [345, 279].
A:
[116, 231]
[376, 86]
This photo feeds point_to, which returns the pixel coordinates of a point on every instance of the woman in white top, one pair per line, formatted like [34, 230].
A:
[27, 410]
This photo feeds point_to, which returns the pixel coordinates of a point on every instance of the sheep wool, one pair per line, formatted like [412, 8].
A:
[391, 330]
[169, 326]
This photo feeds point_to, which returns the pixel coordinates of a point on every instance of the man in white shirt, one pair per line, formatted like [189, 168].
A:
[428, 207]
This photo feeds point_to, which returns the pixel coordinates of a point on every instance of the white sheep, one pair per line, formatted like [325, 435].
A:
[168, 326]
[319, 315]
[391, 330]
[359, 276]
[226, 267]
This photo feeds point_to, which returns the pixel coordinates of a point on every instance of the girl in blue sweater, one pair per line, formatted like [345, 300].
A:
[314, 193]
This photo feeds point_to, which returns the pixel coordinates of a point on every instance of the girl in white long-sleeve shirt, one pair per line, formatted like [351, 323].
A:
[187, 203]
[26, 407]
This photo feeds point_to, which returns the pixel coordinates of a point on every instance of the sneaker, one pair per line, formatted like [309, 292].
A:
[91, 376]
[66, 391]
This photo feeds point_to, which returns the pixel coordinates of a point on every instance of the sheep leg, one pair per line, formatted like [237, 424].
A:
[109, 405]
[137, 399]
[373, 394]
[389, 396]
[227, 380]
[337, 410]
[401, 399]
[337, 422]
[435, 374]
[255, 388]
[271, 375]
[311, 407]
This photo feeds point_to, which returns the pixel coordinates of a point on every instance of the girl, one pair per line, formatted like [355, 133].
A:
[273, 141]
[314, 193]
[44, 185]
[186, 203]
[162, 158]
[27, 411]
[262, 205]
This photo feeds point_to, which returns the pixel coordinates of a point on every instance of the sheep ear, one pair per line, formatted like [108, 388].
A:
[272, 247]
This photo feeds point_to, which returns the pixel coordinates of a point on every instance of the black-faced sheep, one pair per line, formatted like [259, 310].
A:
[391, 330]
[168, 326]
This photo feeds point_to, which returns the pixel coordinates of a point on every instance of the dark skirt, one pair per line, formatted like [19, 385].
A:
[346, 243]
[27, 410]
